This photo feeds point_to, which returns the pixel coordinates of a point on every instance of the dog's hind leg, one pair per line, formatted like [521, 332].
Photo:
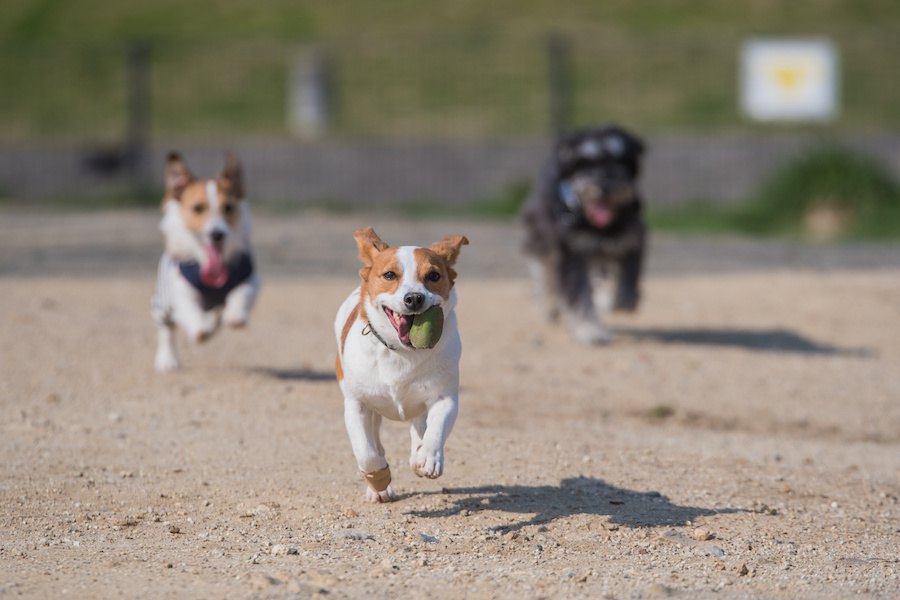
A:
[363, 427]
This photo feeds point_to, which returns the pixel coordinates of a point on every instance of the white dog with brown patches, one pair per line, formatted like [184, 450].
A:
[381, 373]
[206, 272]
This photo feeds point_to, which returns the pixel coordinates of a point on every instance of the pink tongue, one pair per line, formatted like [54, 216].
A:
[213, 273]
[600, 216]
[404, 323]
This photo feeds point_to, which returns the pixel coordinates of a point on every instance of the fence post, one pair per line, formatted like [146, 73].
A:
[559, 81]
[137, 100]
[310, 94]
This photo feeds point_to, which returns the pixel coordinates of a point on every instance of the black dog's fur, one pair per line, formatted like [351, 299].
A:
[584, 218]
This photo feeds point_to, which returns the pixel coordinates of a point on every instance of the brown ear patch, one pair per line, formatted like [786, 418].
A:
[231, 181]
[177, 177]
[445, 252]
[370, 245]
[449, 247]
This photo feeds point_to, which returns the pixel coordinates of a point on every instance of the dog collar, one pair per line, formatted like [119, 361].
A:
[369, 329]
[239, 269]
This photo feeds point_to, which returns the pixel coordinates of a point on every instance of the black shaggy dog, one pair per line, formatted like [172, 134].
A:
[585, 228]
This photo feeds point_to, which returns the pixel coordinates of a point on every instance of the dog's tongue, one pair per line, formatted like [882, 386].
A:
[403, 324]
[599, 216]
[212, 272]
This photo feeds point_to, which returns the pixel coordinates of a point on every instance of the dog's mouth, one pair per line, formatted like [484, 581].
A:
[599, 215]
[213, 272]
[402, 323]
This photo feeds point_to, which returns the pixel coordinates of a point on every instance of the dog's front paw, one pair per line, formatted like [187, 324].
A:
[626, 301]
[427, 463]
[235, 318]
[205, 330]
[166, 361]
[591, 333]
[386, 495]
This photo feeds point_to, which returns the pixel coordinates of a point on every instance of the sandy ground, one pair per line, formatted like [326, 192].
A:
[740, 437]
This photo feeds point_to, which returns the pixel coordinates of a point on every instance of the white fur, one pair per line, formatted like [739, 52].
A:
[405, 384]
[182, 244]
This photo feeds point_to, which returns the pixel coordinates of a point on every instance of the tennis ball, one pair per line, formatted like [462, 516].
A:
[427, 328]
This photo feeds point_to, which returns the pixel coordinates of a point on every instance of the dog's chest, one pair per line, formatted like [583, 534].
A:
[392, 385]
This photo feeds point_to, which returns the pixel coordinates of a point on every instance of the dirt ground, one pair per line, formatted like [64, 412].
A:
[739, 438]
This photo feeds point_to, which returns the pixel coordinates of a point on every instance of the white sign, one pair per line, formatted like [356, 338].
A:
[789, 80]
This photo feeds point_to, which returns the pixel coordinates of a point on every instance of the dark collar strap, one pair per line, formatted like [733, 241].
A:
[369, 329]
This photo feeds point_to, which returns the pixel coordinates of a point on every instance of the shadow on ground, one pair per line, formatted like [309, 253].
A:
[766, 340]
[295, 374]
[573, 496]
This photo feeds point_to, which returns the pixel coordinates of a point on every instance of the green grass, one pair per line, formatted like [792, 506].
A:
[463, 69]
[825, 194]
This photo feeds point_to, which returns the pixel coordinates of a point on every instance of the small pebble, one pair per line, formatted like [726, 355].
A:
[701, 534]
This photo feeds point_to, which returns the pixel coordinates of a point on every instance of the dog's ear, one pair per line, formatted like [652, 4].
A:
[566, 153]
[177, 177]
[370, 245]
[448, 248]
[634, 151]
[233, 176]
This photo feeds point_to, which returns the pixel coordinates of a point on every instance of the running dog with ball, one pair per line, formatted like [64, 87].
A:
[398, 354]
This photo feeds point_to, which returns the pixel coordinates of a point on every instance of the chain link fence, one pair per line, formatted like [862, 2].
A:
[115, 108]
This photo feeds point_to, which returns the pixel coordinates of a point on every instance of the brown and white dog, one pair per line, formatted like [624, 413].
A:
[379, 371]
[206, 272]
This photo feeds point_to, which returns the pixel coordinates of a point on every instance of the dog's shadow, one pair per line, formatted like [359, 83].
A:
[573, 496]
[295, 374]
[764, 340]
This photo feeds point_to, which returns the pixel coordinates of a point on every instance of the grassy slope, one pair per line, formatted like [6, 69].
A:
[465, 68]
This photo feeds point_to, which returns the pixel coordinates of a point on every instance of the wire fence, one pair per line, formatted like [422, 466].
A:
[455, 117]
[463, 87]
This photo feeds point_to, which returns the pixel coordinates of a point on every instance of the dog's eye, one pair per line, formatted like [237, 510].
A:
[433, 276]
[199, 208]
[390, 275]
[228, 209]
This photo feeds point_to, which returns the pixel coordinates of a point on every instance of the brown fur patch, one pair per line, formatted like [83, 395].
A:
[347, 325]
[369, 245]
[338, 371]
[446, 251]
[196, 208]
[378, 279]
[177, 177]
[428, 261]
[379, 480]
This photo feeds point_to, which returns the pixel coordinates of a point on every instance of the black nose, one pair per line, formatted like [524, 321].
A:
[217, 235]
[414, 301]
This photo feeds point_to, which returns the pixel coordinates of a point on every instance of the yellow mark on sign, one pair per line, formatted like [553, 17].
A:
[789, 77]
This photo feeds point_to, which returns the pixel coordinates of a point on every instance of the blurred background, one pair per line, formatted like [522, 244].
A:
[449, 107]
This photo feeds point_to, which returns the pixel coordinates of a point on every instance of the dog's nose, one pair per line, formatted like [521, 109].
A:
[414, 301]
[217, 235]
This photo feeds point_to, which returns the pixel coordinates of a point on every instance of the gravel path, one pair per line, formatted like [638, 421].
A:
[739, 438]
